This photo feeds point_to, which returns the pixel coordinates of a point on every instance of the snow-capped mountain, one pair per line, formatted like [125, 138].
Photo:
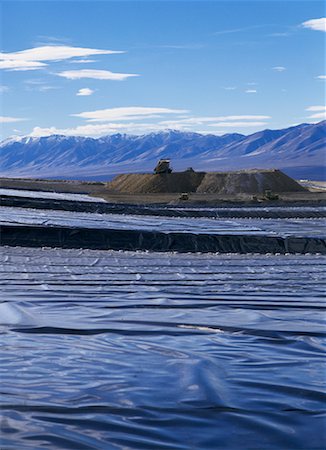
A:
[299, 151]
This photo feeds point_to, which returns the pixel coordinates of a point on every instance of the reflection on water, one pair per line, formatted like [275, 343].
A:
[117, 350]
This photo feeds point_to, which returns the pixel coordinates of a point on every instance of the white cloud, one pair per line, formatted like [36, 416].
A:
[244, 117]
[284, 34]
[31, 59]
[316, 24]
[238, 124]
[316, 108]
[85, 92]
[212, 132]
[222, 119]
[237, 30]
[138, 120]
[35, 81]
[319, 116]
[46, 88]
[182, 46]
[38, 85]
[4, 119]
[321, 77]
[279, 68]
[251, 91]
[126, 113]
[319, 112]
[54, 53]
[96, 129]
[12, 64]
[95, 74]
[99, 130]
[230, 88]
[82, 61]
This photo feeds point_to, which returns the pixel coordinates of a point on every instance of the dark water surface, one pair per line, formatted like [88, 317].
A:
[118, 350]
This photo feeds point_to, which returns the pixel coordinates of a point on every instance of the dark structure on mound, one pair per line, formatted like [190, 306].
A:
[231, 183]
[163, 166]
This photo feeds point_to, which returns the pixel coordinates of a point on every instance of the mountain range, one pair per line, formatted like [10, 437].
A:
[299, 151]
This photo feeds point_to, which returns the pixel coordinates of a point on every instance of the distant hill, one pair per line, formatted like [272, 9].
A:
[299, 151]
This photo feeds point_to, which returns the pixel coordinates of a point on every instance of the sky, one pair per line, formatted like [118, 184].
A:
[92, 68]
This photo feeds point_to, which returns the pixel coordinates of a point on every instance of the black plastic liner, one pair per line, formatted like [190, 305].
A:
[104, 350]
[228, 211]
[103, 239]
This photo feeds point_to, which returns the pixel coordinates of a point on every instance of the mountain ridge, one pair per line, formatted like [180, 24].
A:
[296, 150]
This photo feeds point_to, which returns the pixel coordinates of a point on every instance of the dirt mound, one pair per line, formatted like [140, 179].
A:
[248, 182]
[231, 183]
[161, 183]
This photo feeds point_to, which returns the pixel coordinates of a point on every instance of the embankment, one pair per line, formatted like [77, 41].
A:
[119, 239]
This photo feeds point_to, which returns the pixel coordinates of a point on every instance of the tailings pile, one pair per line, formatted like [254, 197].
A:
[145, 183]
[248, 182]
[240, 182]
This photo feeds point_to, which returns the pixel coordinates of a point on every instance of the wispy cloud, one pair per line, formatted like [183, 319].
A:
[134, 120]
[316, 24]
[237, 124]
[54, 53]
[143, 119]
[230, 88]
[82, 61]
[321, 77]
[200, 120]
[318, 116]
[95, 74]
[316, 108]
[251, 91]
[319, 112]
[21, 65]
[126, 113]
[3, 89]
[182, 46]
[6, 119]
[238, 30]
[38, 85]
[50, 40]
[85, 92]
[46, 88]
[279, 68]
[35, 81]
[96, 130]
[33, 58]
[217, 122]
[280, 34]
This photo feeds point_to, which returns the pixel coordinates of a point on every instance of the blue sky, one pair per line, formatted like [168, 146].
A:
[95, 68]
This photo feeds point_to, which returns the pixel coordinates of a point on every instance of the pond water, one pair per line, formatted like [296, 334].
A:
[135, 350]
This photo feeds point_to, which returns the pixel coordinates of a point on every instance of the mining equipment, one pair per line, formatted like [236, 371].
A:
[269, 195]
[163, 166]
[184, 196]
